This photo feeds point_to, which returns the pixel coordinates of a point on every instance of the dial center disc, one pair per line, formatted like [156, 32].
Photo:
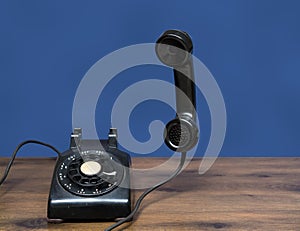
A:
[90, 168]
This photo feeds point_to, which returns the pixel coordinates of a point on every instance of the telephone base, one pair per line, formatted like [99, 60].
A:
[76, 195]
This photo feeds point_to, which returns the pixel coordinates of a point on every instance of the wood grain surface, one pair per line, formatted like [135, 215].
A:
[235, 194]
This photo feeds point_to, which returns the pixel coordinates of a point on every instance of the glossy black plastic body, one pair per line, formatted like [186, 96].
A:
[174, 48]
[63, 205]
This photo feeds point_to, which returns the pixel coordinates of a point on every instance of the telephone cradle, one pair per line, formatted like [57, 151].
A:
[90, 181]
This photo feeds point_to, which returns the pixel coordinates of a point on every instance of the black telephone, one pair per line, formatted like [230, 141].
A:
[92, 181]
[86, 179]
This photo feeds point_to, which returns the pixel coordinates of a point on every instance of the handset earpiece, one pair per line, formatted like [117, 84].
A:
[174, 48]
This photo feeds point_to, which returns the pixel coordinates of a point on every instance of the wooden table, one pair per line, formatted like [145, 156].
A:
[235, 194]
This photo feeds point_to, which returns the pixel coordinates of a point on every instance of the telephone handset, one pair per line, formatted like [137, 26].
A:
[174, 48]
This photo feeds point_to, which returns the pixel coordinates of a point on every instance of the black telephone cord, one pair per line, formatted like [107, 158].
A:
[13, 156]
[139, 201]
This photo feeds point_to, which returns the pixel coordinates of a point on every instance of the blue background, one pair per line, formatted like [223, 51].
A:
[251, 47]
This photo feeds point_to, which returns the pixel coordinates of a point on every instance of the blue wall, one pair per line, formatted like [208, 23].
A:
[251, 47]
